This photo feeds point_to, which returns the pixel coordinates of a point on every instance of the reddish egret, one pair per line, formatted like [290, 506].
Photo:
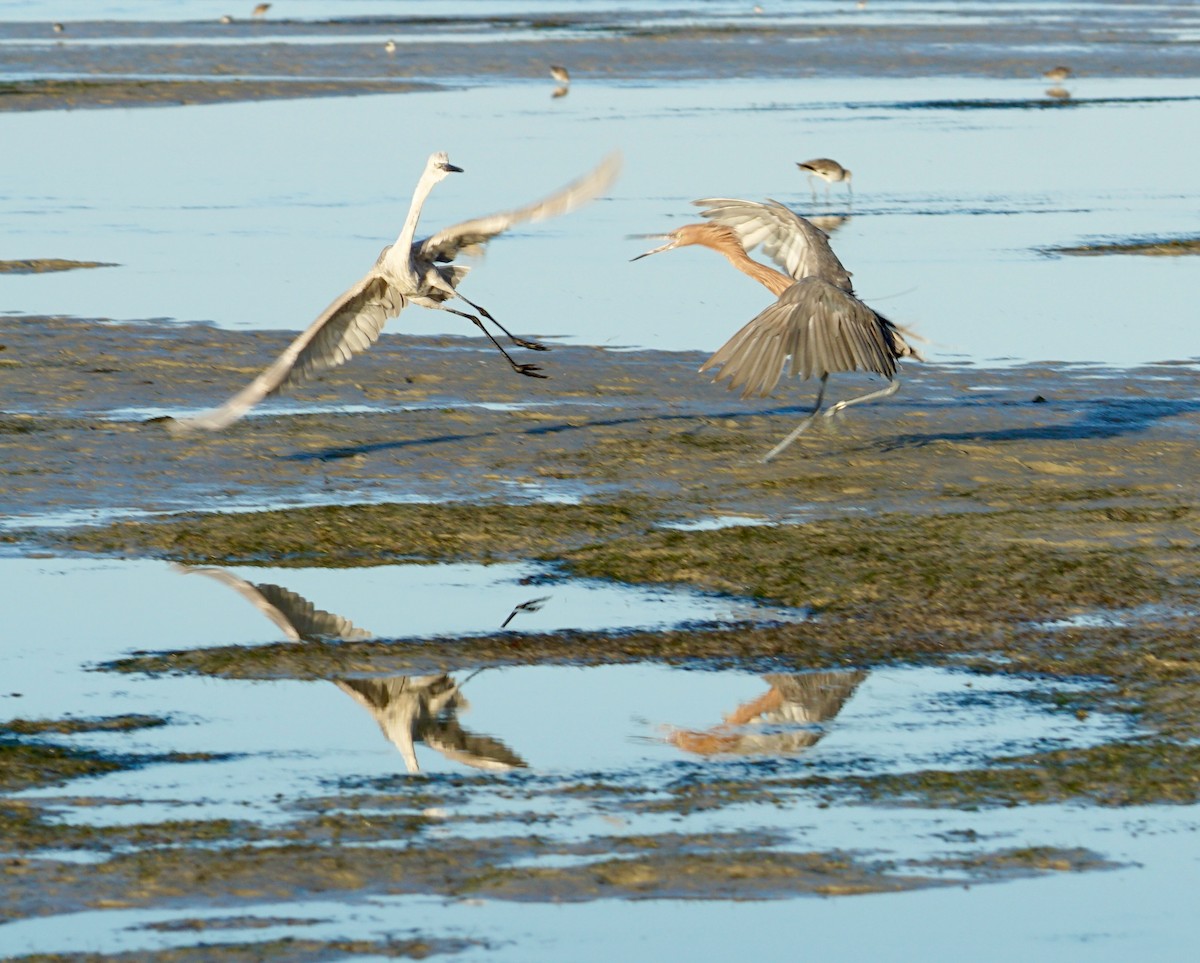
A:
[816, 320]
[418, 272]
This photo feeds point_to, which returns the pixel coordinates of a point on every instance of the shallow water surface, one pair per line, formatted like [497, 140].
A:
[235, 214]
[526, 733]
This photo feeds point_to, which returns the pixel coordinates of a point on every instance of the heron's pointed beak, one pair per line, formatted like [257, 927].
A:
[671, 242]
[451, 169]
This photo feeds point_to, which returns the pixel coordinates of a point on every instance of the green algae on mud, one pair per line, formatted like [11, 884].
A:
[348, 535]
[57, 94]
[1126, 774]
[664, 866]
[124, 723]
[23, 766]
[287, 949]
[1154, 247]
[45, 265]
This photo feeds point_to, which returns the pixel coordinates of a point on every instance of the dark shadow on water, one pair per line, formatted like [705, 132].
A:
[1032, 103]
[1103, 418]
[1096, 418]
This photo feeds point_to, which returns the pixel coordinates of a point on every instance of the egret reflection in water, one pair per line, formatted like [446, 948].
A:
[408, 709]
[786, 719]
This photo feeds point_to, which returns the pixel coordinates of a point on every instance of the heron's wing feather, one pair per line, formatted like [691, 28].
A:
[820, 327]
[349, 325]
[792, 242]
[470, 236]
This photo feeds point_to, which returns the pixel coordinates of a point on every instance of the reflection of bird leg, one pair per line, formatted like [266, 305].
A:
[529, 370]
[803, 426]
[519, 342]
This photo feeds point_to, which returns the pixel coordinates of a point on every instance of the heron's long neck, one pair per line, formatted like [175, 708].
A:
[409, 230]
[775, 281]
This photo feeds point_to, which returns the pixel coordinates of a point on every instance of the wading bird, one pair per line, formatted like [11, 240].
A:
[830, 171]
[816, 320]
[1057, 74]
[406, 271]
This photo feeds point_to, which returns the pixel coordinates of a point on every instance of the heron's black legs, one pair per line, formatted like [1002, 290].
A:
[529, 370]
[519, 342]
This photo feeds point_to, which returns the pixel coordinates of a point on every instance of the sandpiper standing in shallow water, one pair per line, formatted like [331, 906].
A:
[830, 171]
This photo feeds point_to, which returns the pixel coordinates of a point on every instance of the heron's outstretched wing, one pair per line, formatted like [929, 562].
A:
[349, 325]
[816, 324]
[788, 239]
[470, 236]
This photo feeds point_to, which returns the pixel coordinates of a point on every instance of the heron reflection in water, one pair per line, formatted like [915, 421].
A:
[786, 719]
[409, 709]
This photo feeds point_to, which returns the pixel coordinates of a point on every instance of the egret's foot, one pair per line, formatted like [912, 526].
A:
[531, 345]
[528, 370]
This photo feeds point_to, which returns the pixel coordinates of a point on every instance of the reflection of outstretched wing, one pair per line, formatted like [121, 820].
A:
[783, 720]
[809, 697]
[294, 614]
[482, 752]
[310, 621]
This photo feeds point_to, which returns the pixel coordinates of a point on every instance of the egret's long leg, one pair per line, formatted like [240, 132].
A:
[519, 342]
[529, 370]
[890, 389]
[803, 426]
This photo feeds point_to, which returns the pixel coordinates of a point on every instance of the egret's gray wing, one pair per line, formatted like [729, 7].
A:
[470, 236]
[349, 325]
[816, 324]
[792, 242]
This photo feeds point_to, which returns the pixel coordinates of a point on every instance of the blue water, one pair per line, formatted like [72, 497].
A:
[242, 216]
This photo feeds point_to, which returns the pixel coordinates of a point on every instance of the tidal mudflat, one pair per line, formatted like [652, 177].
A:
[425, 659]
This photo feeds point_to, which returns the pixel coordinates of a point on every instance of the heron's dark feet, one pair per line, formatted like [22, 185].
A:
[531, 345]
[528, 370]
